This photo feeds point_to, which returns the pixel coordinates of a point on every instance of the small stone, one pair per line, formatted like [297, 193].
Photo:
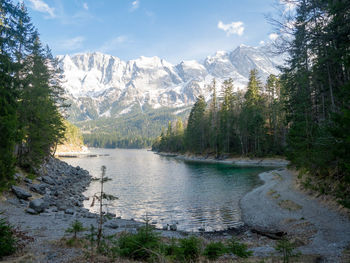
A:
[69, 211]
[31, 211]
[90, 215]
[20, 192]
[112, 224]
[27, 180]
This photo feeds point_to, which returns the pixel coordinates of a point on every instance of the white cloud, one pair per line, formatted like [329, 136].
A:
[135, 5]
[41, 6]
[112, 44]
[72, 43]
[273, 36]
[85, 6]
[262, 42]
[232, 28]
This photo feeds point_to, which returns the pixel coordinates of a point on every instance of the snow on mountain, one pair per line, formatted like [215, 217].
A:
[101, 85]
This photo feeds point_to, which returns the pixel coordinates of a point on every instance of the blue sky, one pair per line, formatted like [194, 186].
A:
[172, 29]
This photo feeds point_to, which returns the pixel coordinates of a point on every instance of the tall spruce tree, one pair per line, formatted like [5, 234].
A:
[195, 132]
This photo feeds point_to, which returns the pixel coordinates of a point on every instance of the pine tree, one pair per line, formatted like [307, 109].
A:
[214, 121]
[252, 117]
[195, 132]
[227, 117]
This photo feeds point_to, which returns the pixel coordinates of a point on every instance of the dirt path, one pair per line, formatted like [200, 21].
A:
[278, 205]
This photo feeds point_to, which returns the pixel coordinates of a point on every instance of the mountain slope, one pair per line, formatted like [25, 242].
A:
[101, 86]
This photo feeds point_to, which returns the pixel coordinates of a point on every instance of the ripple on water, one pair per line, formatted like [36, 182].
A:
[192, 194]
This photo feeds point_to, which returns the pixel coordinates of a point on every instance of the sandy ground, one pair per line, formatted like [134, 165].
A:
[278, 205]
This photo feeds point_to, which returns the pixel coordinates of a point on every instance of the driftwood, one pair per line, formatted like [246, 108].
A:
[276, 235]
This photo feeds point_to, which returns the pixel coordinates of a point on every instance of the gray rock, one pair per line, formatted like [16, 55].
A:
[31, 211]
[112, 224]
[20, 192]
[27, 180]
[69, 211]
[38, 188]
[90, 215]
[48, 180]
[39, 205]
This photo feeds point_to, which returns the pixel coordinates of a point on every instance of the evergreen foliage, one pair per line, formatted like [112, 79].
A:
[7, 239]
[30, 94]
[247, 124]
[317, 84]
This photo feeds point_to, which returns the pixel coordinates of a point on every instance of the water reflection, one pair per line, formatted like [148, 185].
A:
[168, 190]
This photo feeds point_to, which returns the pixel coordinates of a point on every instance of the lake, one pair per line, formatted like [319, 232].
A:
[167, 190]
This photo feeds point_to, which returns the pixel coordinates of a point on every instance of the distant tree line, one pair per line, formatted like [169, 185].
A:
[304, 113]
[30, 94]
[110, 140]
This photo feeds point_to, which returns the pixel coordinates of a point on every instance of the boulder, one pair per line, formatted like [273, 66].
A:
[48, 180]
[38, 188]
[39, 205]
[20, 192]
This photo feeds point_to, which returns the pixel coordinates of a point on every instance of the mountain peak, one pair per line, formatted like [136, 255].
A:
[112, 85]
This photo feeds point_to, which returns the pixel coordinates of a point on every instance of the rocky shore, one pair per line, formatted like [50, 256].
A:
[237, 161]
[45, 208]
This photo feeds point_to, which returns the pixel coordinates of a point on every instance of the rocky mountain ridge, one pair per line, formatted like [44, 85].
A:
[100, 85]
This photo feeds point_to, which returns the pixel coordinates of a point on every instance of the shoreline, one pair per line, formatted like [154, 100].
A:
[278, 205]
[326, 236]
[236, 161]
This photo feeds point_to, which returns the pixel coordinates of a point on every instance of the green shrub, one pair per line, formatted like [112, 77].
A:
[214, 250]
[75, 228]
[140, 246]
[189, 249]
[7, 239]
[285, 247]
[239, 249]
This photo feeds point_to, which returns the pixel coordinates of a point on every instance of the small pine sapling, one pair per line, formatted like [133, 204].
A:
[100, 196]
[75, 228]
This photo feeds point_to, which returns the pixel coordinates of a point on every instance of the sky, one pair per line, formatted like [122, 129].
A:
[175, 30]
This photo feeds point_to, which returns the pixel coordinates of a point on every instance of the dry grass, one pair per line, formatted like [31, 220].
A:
[290, 205]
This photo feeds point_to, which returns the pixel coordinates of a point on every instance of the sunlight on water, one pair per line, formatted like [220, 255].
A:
[192, 194]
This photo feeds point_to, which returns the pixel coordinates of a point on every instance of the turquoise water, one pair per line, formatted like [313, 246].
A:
[167, 190]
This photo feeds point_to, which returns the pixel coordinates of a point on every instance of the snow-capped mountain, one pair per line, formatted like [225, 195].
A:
[100, 85]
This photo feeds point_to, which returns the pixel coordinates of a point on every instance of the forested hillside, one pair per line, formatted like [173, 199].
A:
[30, 94]
[72, 141]
[248, 124]
[304, 113]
